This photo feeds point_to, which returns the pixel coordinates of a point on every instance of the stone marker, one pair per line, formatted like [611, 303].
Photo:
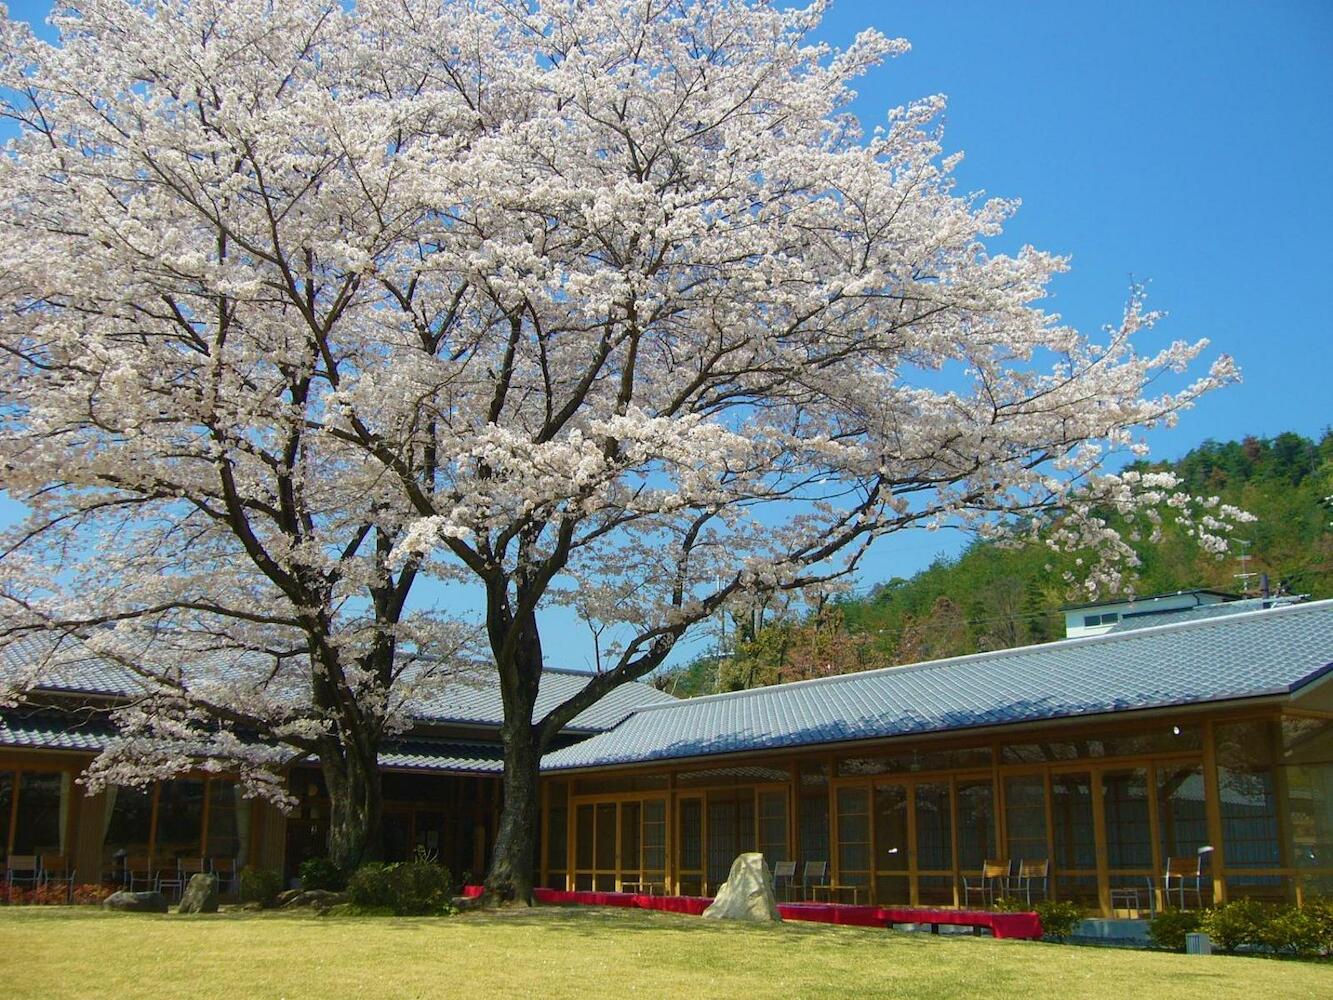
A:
[200, 895]
[136, 902]
[747, 894]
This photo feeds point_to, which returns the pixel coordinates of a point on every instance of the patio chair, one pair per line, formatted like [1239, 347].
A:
[175, 882]
[993, 873]
[21, 870]
[57, 870]
[228, 875]
[1031, 874]
[140, 874]
[814, 874]
[784, 874]
[1183, 875]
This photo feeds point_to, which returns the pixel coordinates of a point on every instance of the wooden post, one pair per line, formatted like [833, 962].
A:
[1212, 800]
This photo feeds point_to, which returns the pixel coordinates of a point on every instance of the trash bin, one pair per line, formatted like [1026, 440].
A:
[1198, 944]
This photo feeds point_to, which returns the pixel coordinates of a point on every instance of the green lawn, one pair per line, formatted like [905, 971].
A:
[58, 952]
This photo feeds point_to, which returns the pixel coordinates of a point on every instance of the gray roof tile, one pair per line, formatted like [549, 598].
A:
[1237, 656]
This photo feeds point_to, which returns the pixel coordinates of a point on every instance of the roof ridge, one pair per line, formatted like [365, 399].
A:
[990, 654]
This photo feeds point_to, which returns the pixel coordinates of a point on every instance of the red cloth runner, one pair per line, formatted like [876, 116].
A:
[1002, 925]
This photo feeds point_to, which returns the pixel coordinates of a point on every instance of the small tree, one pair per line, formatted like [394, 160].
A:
[601, 304]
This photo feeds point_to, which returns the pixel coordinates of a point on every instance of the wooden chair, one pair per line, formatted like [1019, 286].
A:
[784, 874]
[993, 873]
[139, 871]
[56, 869]
[1183, 875]
[21, 869]
[1030, 872]
[814, 874]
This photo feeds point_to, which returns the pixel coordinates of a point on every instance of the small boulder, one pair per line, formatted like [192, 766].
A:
[200, 895]
[136, 902]
[747, 893]
[318, 899]
[286, 896]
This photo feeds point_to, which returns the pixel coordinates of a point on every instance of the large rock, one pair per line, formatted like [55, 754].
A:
[747, 893]
[200, 895]
[319, 899]
[136, 902]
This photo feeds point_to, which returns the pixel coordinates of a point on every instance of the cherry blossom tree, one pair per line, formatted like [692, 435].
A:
[605, 305]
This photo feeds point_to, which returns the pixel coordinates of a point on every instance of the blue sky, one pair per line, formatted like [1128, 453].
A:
[1187, 144]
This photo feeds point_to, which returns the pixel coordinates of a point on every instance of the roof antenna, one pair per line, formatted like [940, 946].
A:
[1244, 576]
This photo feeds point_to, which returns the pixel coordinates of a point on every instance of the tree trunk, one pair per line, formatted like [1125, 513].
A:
[513, 862]
[354, 809]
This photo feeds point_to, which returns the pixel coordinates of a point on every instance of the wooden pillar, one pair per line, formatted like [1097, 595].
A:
[1212, 799]
[1099, 841]
[953, 836]
[544, 835]
[86, 837]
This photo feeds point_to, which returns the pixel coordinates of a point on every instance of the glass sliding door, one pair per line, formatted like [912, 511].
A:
[854, 836]
[1025, 818]
[893, 846]
[690, 846]
[933, 851]
[1074, 851]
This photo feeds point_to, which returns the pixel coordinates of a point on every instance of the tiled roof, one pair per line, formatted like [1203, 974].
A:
[1243, 655]
[465, 701]
[66, 665]
[478, 702]
[52, 734]
[1131, 623]
[455, 756]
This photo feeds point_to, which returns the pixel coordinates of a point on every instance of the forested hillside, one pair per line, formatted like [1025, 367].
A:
[991, 597]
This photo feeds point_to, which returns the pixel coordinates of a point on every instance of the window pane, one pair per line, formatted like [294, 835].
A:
[691, 835]
[583, 837]
[6, 806]
[1246, 782]
[37, 825]
[1181, 818]
[976, 823]
[1128, 837]
[629, 839]
[128, 822]
[814, 828]
[606, 836]
[916, 760]
[1307, 753]
[1071, 813]
[180, 819]
[1025, 817]
[891, 828]
[654, 837]
[934, 836]
[853, 833]
[557, 838]
[229, 822]
[773, 827]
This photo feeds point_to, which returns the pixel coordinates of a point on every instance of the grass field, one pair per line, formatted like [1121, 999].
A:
[54, 953]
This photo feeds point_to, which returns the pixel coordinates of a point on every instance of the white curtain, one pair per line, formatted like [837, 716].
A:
[108, 809]
[242, 827]
[66, 793]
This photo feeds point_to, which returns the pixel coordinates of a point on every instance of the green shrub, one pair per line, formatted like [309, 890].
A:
[1291, 930]
[260, 885]
[411, 888]
[1010, 904]
[1236, 924]
[1319, 910]
[1168, 928]
[371, 885]
[321, 873]
[1059, 918]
